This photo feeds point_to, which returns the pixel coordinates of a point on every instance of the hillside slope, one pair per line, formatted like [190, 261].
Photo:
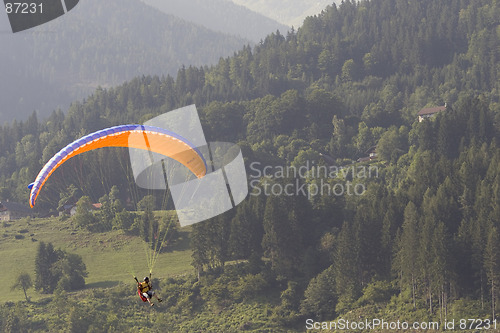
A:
[99, 43]
[111, 257]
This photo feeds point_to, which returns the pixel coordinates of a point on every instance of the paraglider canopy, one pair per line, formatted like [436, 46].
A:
[153, 139]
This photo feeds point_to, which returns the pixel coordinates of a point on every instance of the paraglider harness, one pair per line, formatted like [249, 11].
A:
[139, 290]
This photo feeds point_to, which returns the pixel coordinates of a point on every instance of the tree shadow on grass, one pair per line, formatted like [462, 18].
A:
[180, 244]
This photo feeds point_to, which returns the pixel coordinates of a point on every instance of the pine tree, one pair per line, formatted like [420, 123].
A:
[221, 228]
[43, 276]
[210, 243]
[347, 271]
[320, 297]
[246, 232]
[441, 267]
[275, 231]
[406, 261]
[425, 254]
[199, 246]
[284, 233]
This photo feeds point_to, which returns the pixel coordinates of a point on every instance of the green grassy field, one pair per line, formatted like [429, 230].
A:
[111, 257]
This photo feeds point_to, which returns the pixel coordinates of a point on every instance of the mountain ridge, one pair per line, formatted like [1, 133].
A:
[63, 60]
[221, 15]
[289, 12]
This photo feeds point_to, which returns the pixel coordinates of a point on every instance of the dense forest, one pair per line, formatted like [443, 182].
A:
[422, 240]
[99, 43]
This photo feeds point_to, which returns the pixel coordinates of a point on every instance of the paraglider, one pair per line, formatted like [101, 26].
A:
[149, 138]
[145, 290]
[153, 139]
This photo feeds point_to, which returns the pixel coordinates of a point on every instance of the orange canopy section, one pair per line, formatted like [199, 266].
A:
[153, 139]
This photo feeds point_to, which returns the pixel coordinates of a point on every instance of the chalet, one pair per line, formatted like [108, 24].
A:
[371, 154]
[13, 211]
[426, 113]
[68, 209]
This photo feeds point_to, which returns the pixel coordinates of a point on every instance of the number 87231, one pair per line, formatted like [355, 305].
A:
[23, 8]
[473, 324]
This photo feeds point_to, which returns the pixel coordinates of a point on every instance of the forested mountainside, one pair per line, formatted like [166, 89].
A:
[99, 43]
[223, 16]
[417, 236]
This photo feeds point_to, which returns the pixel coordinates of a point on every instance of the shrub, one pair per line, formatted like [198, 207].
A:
[375, 292]
[248, 286]
[465, 308]
[123, 220]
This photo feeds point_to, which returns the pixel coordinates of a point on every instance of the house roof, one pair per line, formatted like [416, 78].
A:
[364, 159]
[370, 150]
[14, 207]
[433, 110]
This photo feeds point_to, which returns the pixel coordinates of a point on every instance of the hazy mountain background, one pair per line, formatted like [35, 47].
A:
[99, 43]
[289, 12]
[223, 16]
[104, 43]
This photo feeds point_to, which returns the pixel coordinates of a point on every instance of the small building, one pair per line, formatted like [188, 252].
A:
[70, 209]
[371, 154]
[426, 113]
[13, 211]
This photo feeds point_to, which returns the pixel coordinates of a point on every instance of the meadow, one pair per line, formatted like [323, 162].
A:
[110, 257]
